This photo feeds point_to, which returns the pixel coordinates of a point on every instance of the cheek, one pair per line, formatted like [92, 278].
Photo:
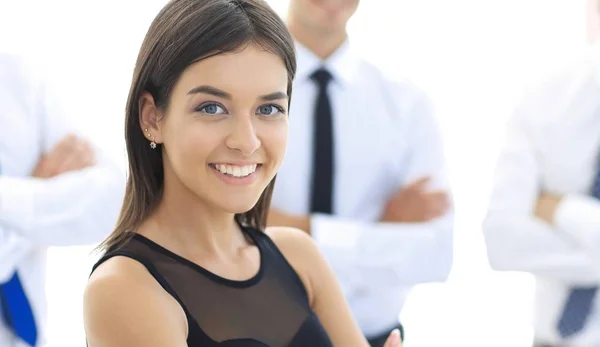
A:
[350, 10]
[189, 145]
[274, 140]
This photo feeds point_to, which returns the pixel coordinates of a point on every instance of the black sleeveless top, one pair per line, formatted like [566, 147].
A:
[269, 309]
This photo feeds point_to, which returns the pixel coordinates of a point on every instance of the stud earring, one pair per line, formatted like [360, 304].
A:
[152, 143]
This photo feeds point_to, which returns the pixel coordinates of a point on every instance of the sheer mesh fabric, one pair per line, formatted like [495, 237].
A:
[269, 309]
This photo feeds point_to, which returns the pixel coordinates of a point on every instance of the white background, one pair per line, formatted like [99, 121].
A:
[474, 57]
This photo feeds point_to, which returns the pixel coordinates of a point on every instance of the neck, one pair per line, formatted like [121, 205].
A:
[321, 44]
[183, 223]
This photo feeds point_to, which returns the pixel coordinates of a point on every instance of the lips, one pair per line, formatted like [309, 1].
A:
[238, 171]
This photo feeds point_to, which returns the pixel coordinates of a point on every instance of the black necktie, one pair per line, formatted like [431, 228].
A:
[323, 168]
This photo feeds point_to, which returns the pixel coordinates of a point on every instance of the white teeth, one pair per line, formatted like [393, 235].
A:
[236, 171]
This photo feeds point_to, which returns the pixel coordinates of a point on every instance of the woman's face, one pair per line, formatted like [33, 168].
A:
[224, 133]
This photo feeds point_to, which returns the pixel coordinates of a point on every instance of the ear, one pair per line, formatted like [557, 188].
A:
[150, 118]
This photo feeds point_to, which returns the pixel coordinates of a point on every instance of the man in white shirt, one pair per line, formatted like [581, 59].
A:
[544, 213]
[55, 190]
[364, 171]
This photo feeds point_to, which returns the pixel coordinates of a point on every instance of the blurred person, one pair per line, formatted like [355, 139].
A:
[189, 263]
[544, 210]
[364, 174]
[55, 190]
[593, 20]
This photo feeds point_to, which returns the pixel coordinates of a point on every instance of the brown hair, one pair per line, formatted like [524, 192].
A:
[184, 32]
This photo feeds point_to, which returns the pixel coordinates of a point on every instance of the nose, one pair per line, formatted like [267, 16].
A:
[243, 137]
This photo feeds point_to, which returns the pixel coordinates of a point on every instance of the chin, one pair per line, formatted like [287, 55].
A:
[239, 205]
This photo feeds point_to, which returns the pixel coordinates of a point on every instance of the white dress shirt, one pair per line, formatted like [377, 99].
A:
[385, 137]
[79, 207]
[553, 145]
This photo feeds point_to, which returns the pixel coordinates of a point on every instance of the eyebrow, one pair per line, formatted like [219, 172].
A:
[223, 94]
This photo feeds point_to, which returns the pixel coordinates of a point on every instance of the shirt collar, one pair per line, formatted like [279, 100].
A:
[342, 64]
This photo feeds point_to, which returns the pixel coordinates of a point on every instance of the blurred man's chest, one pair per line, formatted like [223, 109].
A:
[20, 142]
[568, 148]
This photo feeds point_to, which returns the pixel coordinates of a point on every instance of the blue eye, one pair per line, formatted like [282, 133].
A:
[212, 109]
[270, 110]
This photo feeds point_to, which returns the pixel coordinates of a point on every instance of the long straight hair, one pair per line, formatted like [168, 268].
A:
[184, 32]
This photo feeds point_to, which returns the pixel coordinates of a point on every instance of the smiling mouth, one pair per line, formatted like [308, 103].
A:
[236, 171]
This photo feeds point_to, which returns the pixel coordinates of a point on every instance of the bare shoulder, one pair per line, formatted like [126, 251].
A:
[284, 236]
[115, 275]
[301, 252]
[122, 293]
[325, 295]
[294, 243]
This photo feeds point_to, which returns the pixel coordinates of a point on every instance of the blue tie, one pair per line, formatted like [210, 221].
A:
[576, 310]
[580, 299]
[16, 310]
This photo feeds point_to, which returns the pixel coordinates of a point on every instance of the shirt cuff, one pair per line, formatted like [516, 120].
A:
[333, 232]
[17, 202]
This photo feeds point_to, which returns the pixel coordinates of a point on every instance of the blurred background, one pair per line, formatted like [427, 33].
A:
[473, 57]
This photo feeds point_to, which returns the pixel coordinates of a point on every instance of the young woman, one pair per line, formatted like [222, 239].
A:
[206, 128]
